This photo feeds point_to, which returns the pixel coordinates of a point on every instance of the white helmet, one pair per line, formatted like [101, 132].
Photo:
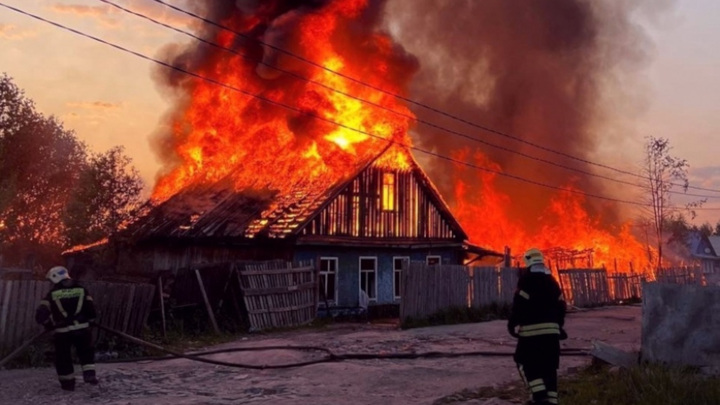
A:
[533, 256]
[58, 274]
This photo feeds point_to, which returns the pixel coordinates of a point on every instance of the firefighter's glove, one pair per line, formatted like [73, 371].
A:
[511, 330]
[563, 334]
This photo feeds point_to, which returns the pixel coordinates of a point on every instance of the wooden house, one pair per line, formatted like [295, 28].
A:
[707, 250]
[359, 231]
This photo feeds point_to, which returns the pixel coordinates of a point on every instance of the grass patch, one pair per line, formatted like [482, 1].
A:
[645, 385]
[601, 385]
[456, 315]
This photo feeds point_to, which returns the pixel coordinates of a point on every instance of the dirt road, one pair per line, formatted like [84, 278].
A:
[400, 382]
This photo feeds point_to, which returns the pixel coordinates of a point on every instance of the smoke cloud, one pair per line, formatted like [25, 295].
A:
[540, 70]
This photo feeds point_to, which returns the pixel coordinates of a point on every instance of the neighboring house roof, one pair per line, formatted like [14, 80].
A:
[219, 211]
[715, 242]
[705, 247]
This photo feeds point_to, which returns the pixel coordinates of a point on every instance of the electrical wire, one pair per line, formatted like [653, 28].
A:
[409, 100]
[306, 113]
[376, 105]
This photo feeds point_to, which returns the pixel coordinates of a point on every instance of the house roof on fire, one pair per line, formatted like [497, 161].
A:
[220, 212]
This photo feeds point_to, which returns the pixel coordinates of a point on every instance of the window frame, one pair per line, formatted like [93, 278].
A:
[335, 273]
[438, 257]
[388, 192]
[395, 271]
[360, 276]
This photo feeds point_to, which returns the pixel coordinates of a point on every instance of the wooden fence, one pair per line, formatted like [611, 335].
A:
[123, 307]
[680, 275]
[625, 286]
[585, 287]
[430, 289]
[279, 294]
[493, 285]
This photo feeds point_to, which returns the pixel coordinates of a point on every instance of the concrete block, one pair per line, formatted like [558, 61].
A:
[681, 324]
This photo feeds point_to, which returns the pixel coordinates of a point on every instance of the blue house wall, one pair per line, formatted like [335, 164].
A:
[348, 273]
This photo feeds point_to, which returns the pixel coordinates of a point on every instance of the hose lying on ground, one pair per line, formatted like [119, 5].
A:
[328, 357]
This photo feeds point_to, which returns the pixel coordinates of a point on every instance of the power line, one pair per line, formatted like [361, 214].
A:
[298, 110]
[409, 117]
[419, 104]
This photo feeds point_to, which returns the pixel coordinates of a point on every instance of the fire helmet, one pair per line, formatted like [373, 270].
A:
[58, 274]
[533, 256]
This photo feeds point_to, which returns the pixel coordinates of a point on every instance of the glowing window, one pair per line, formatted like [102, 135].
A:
[388, 192]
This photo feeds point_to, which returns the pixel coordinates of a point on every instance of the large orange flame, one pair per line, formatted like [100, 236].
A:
[221, 133]
[565, 230]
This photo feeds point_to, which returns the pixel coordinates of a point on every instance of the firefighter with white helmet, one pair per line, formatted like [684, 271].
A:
[537, 320]
[68, 310]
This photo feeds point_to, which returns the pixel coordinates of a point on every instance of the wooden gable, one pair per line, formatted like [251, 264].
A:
[386, 204]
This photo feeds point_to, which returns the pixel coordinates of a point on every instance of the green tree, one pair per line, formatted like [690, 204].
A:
[40, 162]
[106, 197]
[705, 229]
[663, 173]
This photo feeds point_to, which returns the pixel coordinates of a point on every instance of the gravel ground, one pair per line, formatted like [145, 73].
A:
[401, 382]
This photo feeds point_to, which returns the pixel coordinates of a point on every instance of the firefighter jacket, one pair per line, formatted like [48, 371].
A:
[538, 305]
[67, 307]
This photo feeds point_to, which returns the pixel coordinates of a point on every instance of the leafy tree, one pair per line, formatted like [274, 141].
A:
[704, 229]
[52, 194]
[105, 199]
[664, 172]
[40, 162]
[717, 229]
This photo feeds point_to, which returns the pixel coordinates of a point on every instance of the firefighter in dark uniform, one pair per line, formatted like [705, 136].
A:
[537, 320]
[68, 310]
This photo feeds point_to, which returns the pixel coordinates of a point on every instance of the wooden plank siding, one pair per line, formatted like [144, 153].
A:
[120, 306]
[358, 211]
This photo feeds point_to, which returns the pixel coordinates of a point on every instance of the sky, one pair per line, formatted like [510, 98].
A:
[109, 98]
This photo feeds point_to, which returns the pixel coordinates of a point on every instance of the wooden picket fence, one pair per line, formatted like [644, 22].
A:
[680, 275]
[124, 307]
[625, 286]
[430, 289]
[585, 287]
[278, 294]
[493, 285]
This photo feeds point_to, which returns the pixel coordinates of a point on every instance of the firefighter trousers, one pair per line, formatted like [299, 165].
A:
[541, 381]
[82, 341]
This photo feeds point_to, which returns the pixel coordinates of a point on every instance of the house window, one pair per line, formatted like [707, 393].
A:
[388, 192]
[328, 278]
[433, 260]
[398, 263]
[368, 277]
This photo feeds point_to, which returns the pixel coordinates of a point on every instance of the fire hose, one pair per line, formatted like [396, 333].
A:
[328, 355]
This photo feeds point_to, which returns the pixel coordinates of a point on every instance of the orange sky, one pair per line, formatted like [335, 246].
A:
[109, 97]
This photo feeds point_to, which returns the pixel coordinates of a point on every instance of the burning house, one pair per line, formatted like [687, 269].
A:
[359, 229]
[277, 145]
